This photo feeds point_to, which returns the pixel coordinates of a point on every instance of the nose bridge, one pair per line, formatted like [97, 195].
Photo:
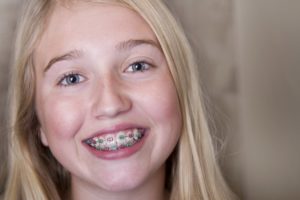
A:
[111, 97]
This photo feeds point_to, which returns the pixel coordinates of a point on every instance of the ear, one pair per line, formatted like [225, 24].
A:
[43, 137]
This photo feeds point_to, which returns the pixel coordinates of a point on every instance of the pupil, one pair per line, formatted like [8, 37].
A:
[138, 66]
[73, 79]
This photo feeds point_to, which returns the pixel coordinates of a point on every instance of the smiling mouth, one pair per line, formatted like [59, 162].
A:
[116, 141]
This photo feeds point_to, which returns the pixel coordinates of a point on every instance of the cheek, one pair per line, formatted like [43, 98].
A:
[160, 105]
[60, 119]
[163, 108]
[163, 104]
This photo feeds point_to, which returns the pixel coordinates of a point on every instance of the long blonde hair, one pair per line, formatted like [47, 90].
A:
[193, 171]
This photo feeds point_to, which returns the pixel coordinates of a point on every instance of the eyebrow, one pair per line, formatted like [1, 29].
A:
[129, 44]
[122, 46]
[67, 56]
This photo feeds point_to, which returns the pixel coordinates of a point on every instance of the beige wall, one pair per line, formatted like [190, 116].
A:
[8, 12]
[268, 48]
[250, 67]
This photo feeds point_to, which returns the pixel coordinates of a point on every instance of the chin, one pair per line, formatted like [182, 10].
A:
[122, 183]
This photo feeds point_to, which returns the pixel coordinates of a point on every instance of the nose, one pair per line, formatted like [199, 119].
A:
[110, 99]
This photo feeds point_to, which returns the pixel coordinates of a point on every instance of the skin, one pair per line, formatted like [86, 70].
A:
[105, 95]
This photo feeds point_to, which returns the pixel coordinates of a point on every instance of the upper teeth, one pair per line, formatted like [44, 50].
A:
[111, 142]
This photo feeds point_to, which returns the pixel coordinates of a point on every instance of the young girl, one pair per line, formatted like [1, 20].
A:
[106, 105]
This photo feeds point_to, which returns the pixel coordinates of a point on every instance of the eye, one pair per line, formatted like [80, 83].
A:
[138, 67]
[71, 79]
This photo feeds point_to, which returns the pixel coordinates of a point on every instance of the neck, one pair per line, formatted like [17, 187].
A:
[153, 188]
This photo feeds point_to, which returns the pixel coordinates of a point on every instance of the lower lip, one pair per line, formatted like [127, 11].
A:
[120, 153]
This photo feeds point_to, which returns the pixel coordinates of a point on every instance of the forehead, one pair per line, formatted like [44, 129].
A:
[83, 24]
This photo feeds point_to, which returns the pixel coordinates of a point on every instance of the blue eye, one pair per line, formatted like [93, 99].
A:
[138, 67]
[71, 79]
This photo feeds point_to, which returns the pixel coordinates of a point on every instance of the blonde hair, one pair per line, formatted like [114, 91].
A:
[193, 171]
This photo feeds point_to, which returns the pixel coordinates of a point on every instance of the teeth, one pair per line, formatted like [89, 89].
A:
[136, 134]
[122, 139]
[112, 142]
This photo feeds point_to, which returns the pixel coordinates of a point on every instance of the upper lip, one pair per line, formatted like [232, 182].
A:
[114, 129]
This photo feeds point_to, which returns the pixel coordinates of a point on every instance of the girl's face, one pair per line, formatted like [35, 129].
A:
[105, 98]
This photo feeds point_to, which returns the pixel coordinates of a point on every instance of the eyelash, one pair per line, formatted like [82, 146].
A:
[145, 66]
[67, 83]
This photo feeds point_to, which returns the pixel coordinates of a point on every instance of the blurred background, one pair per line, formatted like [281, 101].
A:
[249, 54]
